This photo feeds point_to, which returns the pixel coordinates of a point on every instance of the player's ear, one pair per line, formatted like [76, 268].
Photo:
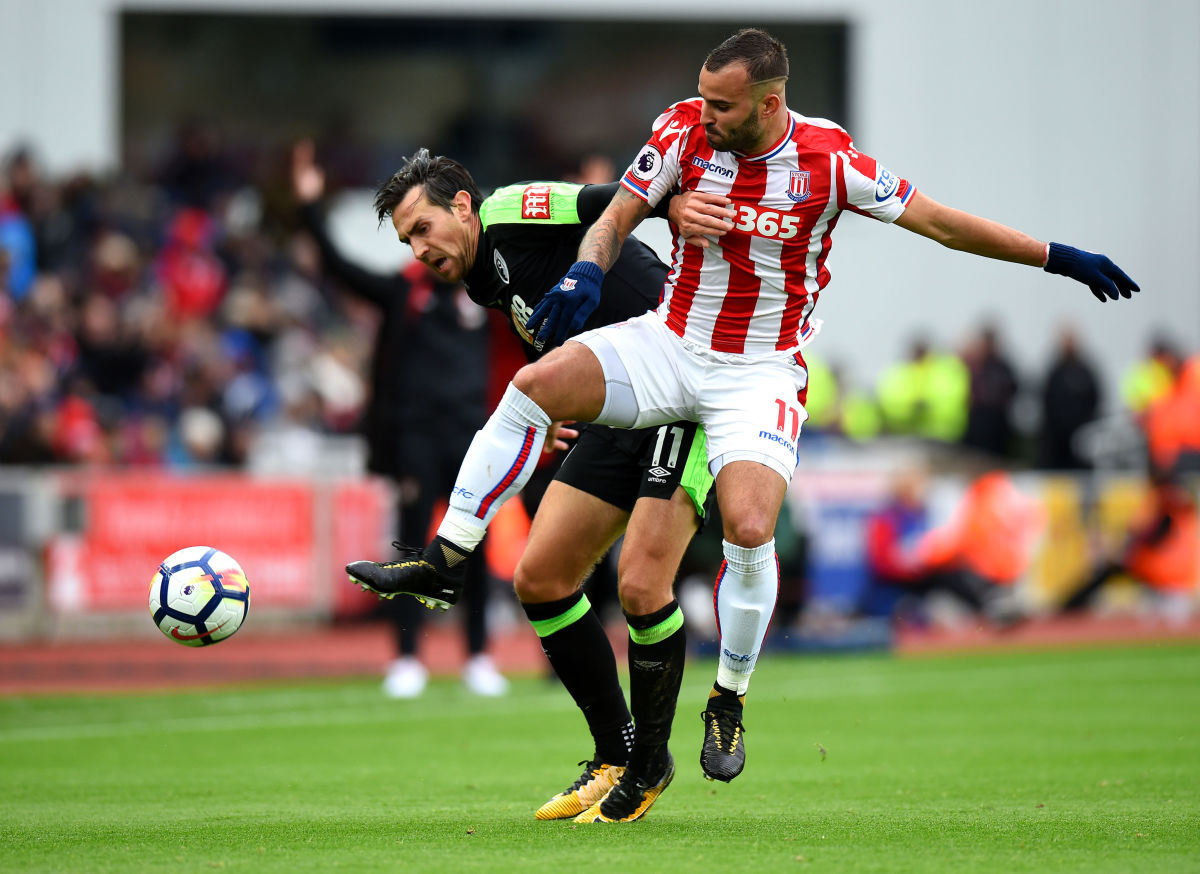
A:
[770, 105]
[462, 205]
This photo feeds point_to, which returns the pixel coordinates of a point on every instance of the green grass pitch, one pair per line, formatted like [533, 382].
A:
[1083, 760]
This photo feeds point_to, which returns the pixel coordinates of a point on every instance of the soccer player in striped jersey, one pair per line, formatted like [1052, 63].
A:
[649, 485]
[724, 346]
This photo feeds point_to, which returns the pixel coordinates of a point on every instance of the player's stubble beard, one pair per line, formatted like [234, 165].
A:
[743, 138]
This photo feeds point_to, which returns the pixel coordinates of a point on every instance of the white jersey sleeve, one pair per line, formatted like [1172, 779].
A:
[655, 171]
[872, 189]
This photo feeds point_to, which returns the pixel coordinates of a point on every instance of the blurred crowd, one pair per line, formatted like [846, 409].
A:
[164, 322]
[169, 321]
[978, 399]
[976, 404]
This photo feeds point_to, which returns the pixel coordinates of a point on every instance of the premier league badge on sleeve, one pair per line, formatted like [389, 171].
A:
[798, 186]
[647, 164]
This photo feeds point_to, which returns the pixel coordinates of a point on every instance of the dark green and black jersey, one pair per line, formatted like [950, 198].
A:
[530, 239]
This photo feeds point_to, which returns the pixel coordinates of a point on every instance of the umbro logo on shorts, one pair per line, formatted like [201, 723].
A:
[658, 471]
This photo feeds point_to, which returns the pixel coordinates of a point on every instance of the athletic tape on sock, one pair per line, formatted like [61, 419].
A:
[461, 529]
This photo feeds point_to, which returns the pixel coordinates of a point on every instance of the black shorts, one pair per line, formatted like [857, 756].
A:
[619, 466]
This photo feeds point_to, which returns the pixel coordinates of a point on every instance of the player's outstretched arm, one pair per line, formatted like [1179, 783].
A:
[564, 310]
[970, 233]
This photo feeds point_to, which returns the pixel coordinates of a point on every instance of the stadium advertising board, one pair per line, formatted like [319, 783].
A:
[19, 596]
[120, 527]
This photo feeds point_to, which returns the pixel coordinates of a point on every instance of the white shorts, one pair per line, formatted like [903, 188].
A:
[749, 406]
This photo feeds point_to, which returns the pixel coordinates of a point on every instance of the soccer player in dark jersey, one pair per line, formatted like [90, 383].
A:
[649, 485]
[415, 430]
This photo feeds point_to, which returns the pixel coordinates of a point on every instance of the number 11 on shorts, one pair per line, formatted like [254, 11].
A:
[676, 441]
[784, 410]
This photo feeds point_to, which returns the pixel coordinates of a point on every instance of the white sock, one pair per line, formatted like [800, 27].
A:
[499, 462]
[747, 589]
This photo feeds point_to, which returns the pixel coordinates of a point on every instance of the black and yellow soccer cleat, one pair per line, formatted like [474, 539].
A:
[593, 784]
[724, 752]
[631, 797]
[413, 575]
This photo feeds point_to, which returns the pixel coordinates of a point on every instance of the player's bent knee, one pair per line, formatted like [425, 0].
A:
[749, 533]
[546, 386]
[539, 588]
[529, 381]
[558, 370]
[640, 594]
[567, 384]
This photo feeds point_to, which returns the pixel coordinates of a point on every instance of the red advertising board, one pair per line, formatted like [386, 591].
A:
[128, 523]
[363, 519]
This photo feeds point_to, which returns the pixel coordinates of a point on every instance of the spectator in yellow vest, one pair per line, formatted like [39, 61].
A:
[926, 396]
[1150, 379]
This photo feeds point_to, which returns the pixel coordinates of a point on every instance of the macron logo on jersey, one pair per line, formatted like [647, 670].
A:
[535, 202]
[709, 167]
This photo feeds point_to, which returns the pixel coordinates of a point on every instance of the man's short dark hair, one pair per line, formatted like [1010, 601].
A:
[439, 176]
[764, 57]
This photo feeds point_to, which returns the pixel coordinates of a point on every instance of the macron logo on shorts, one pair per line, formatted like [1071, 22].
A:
[776, 438]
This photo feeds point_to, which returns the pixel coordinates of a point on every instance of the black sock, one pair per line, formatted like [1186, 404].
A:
[574, 641]
[657, 651]
[449, 558]
[724, 699]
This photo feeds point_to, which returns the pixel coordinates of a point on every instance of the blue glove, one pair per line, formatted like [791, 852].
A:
[1097, 272]
[562, 312]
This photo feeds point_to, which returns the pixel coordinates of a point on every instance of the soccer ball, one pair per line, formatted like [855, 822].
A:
[199, 596]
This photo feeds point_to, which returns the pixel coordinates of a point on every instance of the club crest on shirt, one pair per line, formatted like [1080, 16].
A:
[501, 266]
[799, 189]
[647, 164]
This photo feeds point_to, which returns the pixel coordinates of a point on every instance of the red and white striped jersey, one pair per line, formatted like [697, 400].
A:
[754, 291]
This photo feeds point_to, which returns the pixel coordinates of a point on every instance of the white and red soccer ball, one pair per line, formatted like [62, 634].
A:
[199, 596]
